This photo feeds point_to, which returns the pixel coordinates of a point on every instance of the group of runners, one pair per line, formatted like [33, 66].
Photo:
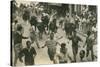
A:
[48, 25]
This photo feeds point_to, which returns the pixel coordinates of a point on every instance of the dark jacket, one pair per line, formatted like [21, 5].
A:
[29, 59]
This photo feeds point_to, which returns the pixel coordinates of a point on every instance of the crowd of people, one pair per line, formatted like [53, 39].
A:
[32, 24]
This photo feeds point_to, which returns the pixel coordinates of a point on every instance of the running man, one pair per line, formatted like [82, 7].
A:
[75, 40]
[89, 42]
[51, 45]
[18, 42]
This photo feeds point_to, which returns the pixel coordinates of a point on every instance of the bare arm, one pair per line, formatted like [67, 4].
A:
[85, 43]
[37, 43]
[45, 45]
[80, 39]
[34, 52]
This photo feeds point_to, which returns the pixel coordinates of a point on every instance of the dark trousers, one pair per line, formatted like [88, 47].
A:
[90, 49]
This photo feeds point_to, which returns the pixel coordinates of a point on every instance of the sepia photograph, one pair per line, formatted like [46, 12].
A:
[52, 33]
